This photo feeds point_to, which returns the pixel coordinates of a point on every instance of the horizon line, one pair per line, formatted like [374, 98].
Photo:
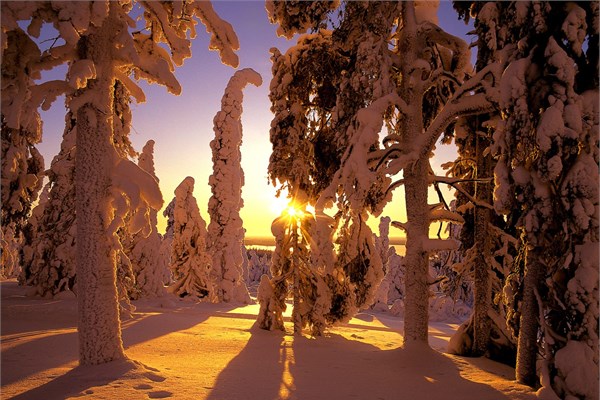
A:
[270, 240]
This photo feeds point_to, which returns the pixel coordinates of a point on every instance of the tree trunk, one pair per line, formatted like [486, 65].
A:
[482, 282]
[297, 296]
[416, 315]
[98, 325]
[529, 323]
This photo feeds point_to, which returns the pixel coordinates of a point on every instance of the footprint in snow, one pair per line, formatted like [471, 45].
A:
[160, 394]
[143, 386]
[154, 377]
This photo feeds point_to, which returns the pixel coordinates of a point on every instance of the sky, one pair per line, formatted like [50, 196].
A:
[182, 126]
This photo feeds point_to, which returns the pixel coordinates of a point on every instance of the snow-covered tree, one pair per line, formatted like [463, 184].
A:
[410, 75]
[259, 264]
[299, 165]
[432, 94]
[22, 164]
[168, 213]
[167, 237]
[148, 261]
[309, 141]
[49, 248]
[293, 275]
[382, 243]
[191, 264]
[225, 231]
[547, 143]
[103, 183]
[100, 50]
[487, 241]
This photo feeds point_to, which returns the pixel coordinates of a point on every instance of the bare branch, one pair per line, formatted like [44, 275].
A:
[399, 225]
[475, 201]
[453, 181]
[394, 185]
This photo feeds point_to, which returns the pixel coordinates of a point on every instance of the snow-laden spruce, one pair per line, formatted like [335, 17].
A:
[22, 165]
[293, 276]
[487, 241]
[547, 144]
[259, 264]
[49, 247]
[191, 264]
[382, 244]
[149, 262]
[225, 231]
[49, 251]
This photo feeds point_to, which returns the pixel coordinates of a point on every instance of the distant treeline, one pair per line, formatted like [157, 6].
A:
[270, 241]
[261, 252]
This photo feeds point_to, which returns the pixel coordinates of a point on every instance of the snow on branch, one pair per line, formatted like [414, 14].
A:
[80, 71]
[446, 216]
[464, 102]
[139, 191]
[296, 17]
[459, 48]
[354, 174]
[135, 91]
[393, 186]
[172, 26]
[437, 245]
[154, 64]
[470, 105]
[223, 37]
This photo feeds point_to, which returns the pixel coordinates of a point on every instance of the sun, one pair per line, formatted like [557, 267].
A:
[285, 206]
[293, 212]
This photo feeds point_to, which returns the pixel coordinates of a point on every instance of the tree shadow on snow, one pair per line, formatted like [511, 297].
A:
[144, 327]
[256, 372]
[43, 344]
[353, 369]
[81, 381]
[277, 366]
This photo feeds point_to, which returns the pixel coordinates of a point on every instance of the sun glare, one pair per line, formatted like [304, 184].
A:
[279, 204]
[293, 211]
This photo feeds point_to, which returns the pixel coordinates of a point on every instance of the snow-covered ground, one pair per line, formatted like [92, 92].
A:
[184, 350]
